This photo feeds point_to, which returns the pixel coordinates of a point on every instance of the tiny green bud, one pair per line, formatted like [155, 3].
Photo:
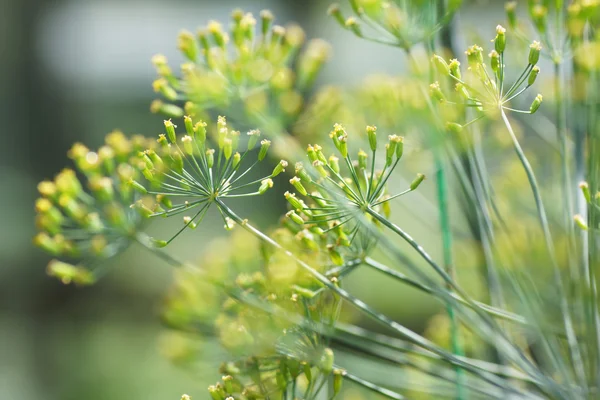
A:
[68, 273]
[266, 19]
[227, 148]
[294, 202]
[265, 185]
[318, 165]
[399, 146]
[170, 128]
[301, 173]
[580, 222]
[417, 181]
[311, 153]
[537, 102]
[534, 52]
[453, 127]
[500, 41]
[162, 86]
[138, 187]
[215, 393]
[585, 190]
[436, 92]
[539, 15]
[210, 157]
[338, 378]
[390, 149]
[441, 65]
[295, 217]
[533, 75]
[295, 181]
[188, 222]
[188, 147]
[495, 61]
[362, 159]
[327, 361]
[334, 255]
[474, 55]
[334, 164]
[187, 44]
[372, 135]
[200, 132]
[352, 24]
[264, 147]
[159, 243]
[511, 14]
[279, 168]
[454, 67]
[253, 136]
[235, 163]
[189, 125]
[334, 11]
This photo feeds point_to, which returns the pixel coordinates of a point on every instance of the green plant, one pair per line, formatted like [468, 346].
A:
[531, 330]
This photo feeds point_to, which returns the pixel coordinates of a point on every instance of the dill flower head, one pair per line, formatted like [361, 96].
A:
[83, 215]
[485, 88]
[186, 176]
[263, 67]
[339, 190]
[402, 25]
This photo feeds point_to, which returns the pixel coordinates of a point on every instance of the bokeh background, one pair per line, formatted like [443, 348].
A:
[73, 70]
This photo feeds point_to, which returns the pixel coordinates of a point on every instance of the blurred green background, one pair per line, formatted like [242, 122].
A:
[73, 70]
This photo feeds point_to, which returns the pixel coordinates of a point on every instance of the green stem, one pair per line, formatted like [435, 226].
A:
[573, 344]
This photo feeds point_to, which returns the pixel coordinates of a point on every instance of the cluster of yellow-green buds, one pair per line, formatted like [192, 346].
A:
[485, 89]
[402, 25]
[265, 66]
[186, 168]
[339, 189]
[278, 376]
[83, 216]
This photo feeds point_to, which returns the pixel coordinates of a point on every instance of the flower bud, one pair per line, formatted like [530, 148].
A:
[170, 128]
[372, 134]
[227, 148]
[436, 92]
[539, 16]
[311, 153]
[495, 61]
[200, 132]
[511, 14]
[210, 157]
[253, 136]
[266, 19]
[338, 378]
[500, 41]
[264, 147]
[334, 164]
[580, 222]
[295, 217]
[279, 168]
[162, 86]
[265, 185]
[138, 186]
[294, 202]
[474, 55]
[362, 159]
[301, 173]
[417, 181]
[537, 102]
[334, 11]
[353, 25]
[534, 52]
[68, 273]
[327, 361]
[187, 45]
[454, 67]
[441, 65]
[533, 75]
[169, 110]
[334, 255]
[585, 190]
[189, 125]
[295, 181]
[399, 146]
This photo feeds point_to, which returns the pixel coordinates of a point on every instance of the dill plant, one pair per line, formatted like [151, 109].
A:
[274, 299]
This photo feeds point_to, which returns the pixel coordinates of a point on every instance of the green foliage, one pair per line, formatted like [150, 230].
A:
[274, 299]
